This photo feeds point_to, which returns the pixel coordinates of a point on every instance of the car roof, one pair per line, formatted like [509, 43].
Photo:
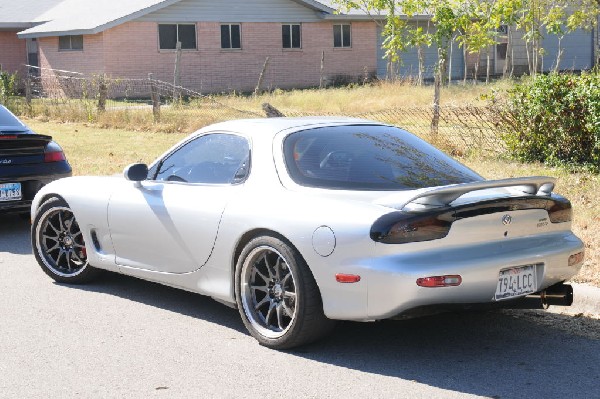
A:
[272, 126]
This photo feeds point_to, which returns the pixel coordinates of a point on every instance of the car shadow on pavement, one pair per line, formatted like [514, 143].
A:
[14, 235]
[497, 354]
[492, 354]
[167, 298]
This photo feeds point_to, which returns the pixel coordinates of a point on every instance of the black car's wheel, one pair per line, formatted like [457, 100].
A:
[58, 244]
[277, 295]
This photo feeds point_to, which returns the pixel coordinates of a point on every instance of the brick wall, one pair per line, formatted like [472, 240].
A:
[88, 61]
[131, 50]
[13, 53]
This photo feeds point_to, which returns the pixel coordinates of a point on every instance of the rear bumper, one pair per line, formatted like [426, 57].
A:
[30, 185]
[390, 288]
[392, 283]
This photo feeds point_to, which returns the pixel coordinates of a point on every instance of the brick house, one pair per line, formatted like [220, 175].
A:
[224, 43]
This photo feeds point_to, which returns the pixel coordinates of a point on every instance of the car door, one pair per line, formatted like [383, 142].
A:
[169, 223]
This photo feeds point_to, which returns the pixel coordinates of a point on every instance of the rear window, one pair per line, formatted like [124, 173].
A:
[369, 157]
[7, 119]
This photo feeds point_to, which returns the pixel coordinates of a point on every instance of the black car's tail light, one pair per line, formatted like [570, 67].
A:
[53, 153]
[401, 228]
[559, 209]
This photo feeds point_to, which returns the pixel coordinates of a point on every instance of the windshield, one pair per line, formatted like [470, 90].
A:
[369, 157]
[8, 120]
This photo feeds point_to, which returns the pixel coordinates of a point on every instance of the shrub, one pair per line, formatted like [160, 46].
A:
[8, 86]
[555, 119]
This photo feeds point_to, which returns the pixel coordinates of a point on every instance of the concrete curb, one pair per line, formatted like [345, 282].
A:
[586, 300]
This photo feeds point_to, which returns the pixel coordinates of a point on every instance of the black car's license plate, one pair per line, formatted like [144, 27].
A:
[10, 191]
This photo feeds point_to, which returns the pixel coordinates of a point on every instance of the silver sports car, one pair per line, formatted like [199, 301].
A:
[301, 222]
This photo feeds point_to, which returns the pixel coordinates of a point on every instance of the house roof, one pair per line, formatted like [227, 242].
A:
[77, 17]
[23, 14]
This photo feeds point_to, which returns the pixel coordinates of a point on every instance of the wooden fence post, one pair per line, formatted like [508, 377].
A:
[28, 92]
[261, 77]
[322, 76]
[155, 98]
[177, 74]
[102, 94]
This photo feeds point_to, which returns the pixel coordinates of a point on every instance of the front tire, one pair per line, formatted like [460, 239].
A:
[277, 296]
[58, 244]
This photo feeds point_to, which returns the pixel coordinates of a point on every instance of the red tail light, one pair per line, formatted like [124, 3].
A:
[54, 156]
[439, 281]
[53, 153]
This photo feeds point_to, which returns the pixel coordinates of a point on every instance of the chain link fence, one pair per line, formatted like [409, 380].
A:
[150, 104]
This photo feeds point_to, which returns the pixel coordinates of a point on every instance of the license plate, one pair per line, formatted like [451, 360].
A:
[516, 282]
[10, 191]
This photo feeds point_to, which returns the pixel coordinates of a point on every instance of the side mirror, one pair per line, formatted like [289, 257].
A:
[136, 172]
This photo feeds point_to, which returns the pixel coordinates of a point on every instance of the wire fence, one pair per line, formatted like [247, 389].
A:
[151, 104]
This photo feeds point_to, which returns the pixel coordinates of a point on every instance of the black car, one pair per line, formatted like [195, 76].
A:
[28, 161]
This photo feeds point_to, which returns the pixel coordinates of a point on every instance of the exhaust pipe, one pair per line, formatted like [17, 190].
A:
[557, 295]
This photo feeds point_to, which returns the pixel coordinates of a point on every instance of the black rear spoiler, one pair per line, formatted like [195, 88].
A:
[443, 196]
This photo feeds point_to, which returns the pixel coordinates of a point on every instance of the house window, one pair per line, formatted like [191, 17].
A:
[341, 36]
[170, 34]
[70, 42]
[231, 36]
[290, 35]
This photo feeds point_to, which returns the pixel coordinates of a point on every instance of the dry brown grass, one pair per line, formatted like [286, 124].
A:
[367, 98]
[95, 151]
[199, 112]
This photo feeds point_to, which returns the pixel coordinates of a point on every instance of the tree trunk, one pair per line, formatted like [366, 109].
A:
[487, 71]
[466, 69]
[476, 72]
[508, 60]
[559, 55]
[421, 56]
[448, 64]
[437, 91]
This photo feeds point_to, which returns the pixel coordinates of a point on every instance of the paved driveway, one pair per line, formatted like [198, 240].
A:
[123, 337]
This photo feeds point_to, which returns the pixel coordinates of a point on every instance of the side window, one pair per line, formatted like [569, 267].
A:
[217, 158]
[290, 35]
[342, 36]
[231, 37]
[70, 43]
[170, 34]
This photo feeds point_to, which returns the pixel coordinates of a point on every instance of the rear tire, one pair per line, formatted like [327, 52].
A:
[277, 296]
[58, 244]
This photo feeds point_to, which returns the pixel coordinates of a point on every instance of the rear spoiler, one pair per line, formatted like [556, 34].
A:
[443, 196]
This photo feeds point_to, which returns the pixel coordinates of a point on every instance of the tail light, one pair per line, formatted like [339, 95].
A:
[53, 153]
[400, 228]
[439, 281]
[559, 209]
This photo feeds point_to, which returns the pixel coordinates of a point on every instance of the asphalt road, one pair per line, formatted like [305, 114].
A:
[127, 338]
